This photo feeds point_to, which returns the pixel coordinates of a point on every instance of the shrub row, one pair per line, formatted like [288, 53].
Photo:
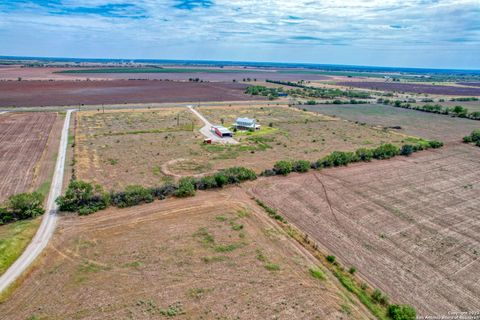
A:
[85, 198]
[341, 158]
[474, 137]
[22, 206]
[456, 111]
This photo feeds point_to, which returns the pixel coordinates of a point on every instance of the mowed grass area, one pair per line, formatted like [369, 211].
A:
[206, 257]
[150, 147]
[14, 237]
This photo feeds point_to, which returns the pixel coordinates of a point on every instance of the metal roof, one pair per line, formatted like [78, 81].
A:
[222, 129]
[246, 120]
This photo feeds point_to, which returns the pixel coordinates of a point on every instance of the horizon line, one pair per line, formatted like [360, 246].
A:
[239, 62]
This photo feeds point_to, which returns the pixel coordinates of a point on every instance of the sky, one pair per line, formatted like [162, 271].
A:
[408, 33]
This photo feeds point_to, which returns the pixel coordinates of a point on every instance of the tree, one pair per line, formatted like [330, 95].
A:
[364, 154]
[186, 187]
[301, 166]
[401, 312]
[385, 151]
[283, 167]
[26, 205]
[406, 150]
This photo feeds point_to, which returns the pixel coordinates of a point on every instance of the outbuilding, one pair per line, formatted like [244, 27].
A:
[221, 131]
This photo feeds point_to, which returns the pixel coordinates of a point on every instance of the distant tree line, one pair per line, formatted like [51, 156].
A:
[22, 206]
[456, 111]
[270, 93]
[324, 93]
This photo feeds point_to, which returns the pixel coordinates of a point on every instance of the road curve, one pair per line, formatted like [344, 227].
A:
[205, 130]
[49, 220]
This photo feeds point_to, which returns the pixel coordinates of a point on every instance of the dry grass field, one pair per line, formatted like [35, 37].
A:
[410, 226]
[28, 147]
[417, 123]
[214, 256]
[147, 147]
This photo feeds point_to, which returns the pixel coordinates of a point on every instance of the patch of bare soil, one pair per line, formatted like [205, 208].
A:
[214, 256]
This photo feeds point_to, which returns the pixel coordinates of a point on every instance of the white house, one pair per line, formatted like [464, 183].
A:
[246, 124]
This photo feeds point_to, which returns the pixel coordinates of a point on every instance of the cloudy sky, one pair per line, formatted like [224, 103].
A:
[410, 33]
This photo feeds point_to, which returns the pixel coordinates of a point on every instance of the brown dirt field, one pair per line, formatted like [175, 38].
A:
[416, 88]
[116, 160]
[14, 72]
[60, 93]
[411, 226]
[170, 255]
[23, 141]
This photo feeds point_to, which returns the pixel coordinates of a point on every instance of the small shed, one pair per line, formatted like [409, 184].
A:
[221, 131]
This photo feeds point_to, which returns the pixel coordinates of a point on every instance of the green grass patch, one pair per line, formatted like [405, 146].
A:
[205, 236]
[317, 273]
[14, 238]
[212, 259]
[272, 266]
[44, 188]
[228, 247]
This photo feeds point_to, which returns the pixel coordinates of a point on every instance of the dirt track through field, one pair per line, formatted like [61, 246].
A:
[23, 137]
[410, 226]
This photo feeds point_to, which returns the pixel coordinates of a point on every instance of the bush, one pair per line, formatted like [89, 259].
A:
[26, 205]
[385, 151]
[379, 297]
[133, 195]
[401, 312]
[435, 144]
[84, 198]
[364, 154]
[268, 173]
[407, 150]
[186, 187]
[338, 158]
[207, 182]
[5, 216]
[301, 166]
[283, 167]
[164, 191]
[473, 137]
[77, 195]
[238, 174]
[331, 259]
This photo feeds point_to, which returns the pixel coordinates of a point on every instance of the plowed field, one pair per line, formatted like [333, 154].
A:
[23, 138]
[411, 226]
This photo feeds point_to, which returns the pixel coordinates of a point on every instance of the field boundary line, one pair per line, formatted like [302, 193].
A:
[49, 219]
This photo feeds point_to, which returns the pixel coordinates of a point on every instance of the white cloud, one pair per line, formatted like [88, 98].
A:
[253, 26]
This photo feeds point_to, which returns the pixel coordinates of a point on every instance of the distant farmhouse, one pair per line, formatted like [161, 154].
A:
[246, 124]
